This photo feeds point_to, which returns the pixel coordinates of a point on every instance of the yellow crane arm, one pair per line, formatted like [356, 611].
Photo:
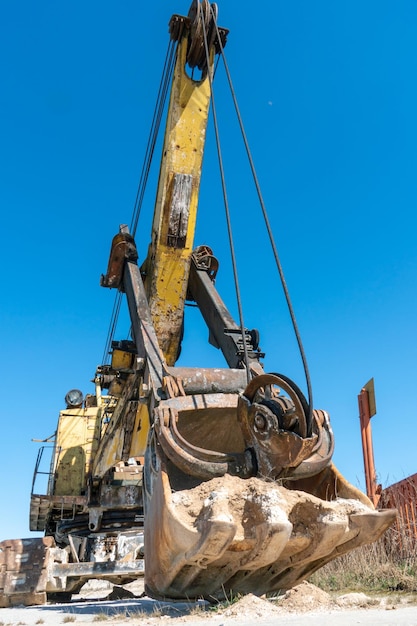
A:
[167, 266]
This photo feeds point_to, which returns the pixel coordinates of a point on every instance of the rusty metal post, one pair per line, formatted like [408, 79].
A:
[373, 490]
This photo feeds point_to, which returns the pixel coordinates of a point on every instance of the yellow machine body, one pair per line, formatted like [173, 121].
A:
[77, 440]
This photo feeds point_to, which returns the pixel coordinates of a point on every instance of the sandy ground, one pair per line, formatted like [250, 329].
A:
[304, 605]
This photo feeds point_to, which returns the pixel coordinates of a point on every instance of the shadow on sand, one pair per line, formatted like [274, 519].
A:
[136, 607]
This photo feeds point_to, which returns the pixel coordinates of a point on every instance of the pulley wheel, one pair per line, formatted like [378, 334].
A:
[263, 381]
[200, 17]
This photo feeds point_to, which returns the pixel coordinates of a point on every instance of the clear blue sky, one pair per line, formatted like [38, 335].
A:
[328, 94]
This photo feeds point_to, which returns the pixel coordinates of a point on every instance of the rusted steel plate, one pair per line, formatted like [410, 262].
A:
[246, 536]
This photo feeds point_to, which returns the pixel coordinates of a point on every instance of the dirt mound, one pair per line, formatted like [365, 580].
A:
[252, 607]
[354, 600]
[300, 599]
[304, 597]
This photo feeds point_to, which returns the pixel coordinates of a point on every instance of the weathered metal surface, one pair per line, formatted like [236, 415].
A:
[193, 380]
[373, 489]
[75, 445]
[177, 435]
[182, 185]
[200, 18]
[144, 332]
[402, 496]
[224, 332]
[107, 570]
[122, 248]
[277, 428]
[41, 507]
[113, 443]
[119, 496]
[217, 36]
[167, 265]
[23, 571]
[31, 569]
[233, 535]
[233, 504]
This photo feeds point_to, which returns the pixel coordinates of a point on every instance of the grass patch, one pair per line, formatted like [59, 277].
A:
[230, 598]
[157, 611]
[197, 610]
[389, 564]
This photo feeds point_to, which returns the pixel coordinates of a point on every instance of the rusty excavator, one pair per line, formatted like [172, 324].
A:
[204, 481]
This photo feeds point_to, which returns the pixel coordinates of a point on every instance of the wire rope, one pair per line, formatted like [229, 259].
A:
[153, 135]
[268, 225]
[146, 166]
[150, 148]
[226, 202]
[112, 326]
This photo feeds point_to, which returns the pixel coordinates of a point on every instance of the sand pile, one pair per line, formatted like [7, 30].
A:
[304, 597]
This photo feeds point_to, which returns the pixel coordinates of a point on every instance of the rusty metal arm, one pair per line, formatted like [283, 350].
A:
[142, 328]
[124, 274]
[224, 332]
[373, 490]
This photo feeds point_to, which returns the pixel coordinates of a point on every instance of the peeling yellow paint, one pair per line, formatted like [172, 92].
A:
[140, 432]
[76, 442]
[168, 266]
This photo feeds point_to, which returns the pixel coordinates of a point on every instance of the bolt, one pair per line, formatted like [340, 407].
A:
[260, 421]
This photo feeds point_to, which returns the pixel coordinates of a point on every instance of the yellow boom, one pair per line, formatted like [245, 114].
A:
[168, 263]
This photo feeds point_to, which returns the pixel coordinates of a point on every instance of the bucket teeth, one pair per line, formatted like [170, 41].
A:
[249, 536]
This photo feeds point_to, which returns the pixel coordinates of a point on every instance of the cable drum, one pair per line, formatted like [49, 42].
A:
[203, 18]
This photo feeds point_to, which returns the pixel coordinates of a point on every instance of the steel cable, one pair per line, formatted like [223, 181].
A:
[158, 112]
[268, 227]
[112, 326]
[153, 135]
[226, 202]
[147, 161]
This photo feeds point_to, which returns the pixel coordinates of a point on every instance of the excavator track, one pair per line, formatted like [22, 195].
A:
[23, 571]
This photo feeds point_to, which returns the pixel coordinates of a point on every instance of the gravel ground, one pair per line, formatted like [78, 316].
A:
[138, 613]
[305, 605]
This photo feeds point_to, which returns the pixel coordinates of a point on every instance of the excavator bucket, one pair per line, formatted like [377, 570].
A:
[236, 504]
